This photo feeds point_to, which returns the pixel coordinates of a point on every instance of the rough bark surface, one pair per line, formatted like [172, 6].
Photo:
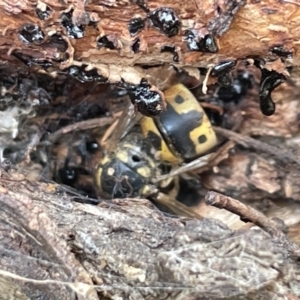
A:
[60, 249]
[242, 30]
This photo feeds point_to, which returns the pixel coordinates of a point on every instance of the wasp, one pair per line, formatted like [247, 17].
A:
[71, 162]
[156, 146]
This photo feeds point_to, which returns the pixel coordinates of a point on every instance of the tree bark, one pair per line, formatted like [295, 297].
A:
[53, 248]
[242, 30]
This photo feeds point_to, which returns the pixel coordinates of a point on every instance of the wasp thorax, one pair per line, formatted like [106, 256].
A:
[128, 171]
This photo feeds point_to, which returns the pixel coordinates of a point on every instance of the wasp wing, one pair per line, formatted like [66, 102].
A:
[200, 164]
[121, 127]
[193, 165]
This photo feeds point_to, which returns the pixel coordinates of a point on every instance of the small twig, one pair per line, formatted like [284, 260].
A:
[251, 215]
[84, 125]
[245, 212]
[247, 141]
[195, 164]
[204, 84]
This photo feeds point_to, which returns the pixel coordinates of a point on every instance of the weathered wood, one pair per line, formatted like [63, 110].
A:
[242, 30]
[54, 248]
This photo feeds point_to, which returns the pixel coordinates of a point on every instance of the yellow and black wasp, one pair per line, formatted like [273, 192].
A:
[145, 161]
[157, 157]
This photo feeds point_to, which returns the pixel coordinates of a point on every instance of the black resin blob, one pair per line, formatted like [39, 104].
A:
[206, 44]
[165, 20]
[268, 82]
[147, 102]
[31, 33]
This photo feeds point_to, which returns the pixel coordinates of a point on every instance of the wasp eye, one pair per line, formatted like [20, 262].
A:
[68, 175]
[136, 158]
